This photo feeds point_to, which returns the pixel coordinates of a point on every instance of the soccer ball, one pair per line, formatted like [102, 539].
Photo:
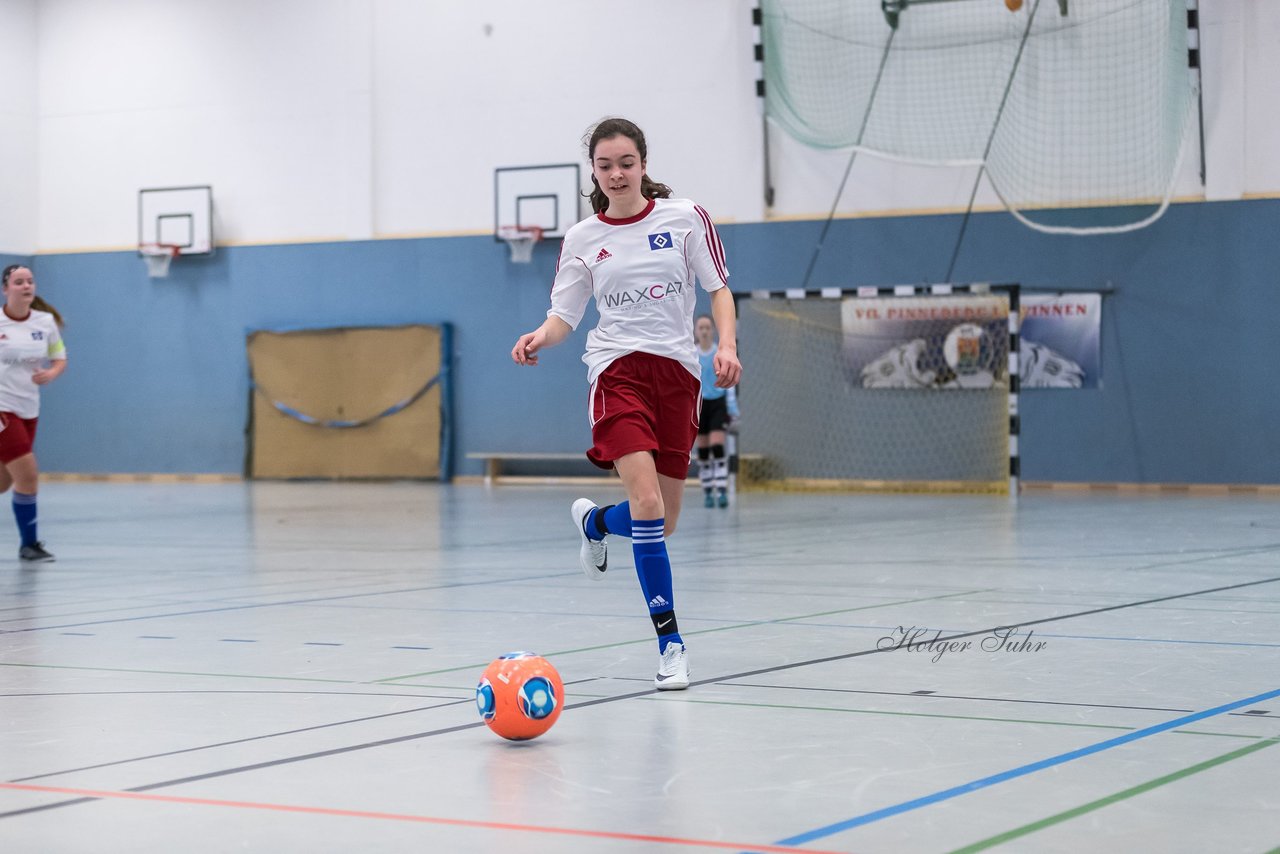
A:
[519, 695]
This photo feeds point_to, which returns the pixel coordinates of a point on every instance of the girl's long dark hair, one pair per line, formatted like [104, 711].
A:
[608, 129]
[37, 303]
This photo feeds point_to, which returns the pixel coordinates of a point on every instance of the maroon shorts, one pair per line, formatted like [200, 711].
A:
[649, 403]
[16, 436]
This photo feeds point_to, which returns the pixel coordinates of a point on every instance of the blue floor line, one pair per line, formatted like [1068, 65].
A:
[1021, 771]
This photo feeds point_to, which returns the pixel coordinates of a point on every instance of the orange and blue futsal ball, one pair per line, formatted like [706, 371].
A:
[520, 695]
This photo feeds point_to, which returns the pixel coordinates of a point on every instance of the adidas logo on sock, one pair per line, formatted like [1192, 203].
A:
[658, 602]
[603, 256]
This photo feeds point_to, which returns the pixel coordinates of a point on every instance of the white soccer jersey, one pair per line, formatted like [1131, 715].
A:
[26, 346]
[641, 271]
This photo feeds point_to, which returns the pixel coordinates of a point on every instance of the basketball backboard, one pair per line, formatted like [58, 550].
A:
[548, 197]
[177, 216]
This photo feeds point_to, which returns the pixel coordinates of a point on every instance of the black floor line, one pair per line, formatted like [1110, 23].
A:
[450, 701]
[542, 576]
[239, 741]
[226, 691]
[1252, 713]
[933, 696]
[337, 751]
[746, 674]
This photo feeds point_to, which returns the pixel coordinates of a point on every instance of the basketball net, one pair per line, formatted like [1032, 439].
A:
[521, 239]
[158, 257]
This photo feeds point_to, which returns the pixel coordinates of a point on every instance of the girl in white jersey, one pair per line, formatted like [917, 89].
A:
[31, 355]
[639, 257]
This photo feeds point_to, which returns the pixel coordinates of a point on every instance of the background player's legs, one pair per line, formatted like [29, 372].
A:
[719, 467]
[705, 473]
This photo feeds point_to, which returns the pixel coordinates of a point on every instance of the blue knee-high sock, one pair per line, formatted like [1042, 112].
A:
[24, 512]
[614, 519]
[654, 570]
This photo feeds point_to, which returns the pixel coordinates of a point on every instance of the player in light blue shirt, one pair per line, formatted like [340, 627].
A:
[719, 406]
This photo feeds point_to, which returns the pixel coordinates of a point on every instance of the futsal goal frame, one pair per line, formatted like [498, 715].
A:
[1012, 484]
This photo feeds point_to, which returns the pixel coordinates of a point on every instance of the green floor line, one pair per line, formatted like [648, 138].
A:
[649, 639]
[1026, 829]
[791, 707]
[183, 673]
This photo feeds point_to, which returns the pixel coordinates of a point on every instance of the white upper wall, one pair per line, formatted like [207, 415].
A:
[351, 119]
[259, 99]
[18, 127]
[462, 88]
[1261, 38]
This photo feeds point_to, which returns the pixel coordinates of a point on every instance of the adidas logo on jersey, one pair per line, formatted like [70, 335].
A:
[603, 256]
[657, 601]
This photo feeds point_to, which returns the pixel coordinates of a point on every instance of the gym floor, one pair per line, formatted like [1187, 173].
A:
[291, 667]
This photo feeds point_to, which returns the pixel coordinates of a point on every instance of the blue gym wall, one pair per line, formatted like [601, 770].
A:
[158, 380]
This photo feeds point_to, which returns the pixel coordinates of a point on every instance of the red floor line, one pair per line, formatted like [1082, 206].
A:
[422, 819]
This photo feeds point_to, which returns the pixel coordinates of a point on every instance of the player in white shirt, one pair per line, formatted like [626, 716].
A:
[639, 257]
[31, 355]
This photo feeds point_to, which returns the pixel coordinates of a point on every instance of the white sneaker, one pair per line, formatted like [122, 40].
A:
[673, 669]
[594, 554]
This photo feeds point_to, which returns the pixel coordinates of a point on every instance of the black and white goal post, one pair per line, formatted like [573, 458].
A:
[1015, 383]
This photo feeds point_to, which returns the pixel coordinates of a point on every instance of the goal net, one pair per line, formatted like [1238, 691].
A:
[1095, 114]
[883, 391]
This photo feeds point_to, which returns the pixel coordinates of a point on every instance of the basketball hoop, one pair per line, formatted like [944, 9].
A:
[521, 239]
[158, 256]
